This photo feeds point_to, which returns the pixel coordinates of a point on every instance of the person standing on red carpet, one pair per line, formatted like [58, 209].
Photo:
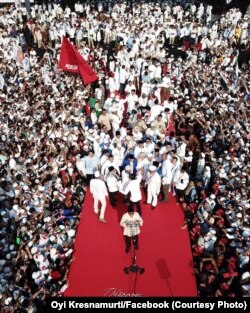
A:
[134, 189]
[131, 223]
[99, 192]
[153, 186]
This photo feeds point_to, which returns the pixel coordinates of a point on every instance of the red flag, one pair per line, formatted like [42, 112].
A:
[72, 61]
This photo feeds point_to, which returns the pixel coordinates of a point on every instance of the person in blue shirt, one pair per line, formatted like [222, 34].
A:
[130, 160]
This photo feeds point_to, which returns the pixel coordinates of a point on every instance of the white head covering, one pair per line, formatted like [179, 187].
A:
[152, 168]
[97, 174]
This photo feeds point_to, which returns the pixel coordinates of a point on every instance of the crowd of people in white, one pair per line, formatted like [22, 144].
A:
[57, 134]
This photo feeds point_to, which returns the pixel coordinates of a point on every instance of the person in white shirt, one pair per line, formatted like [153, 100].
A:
[131, 99]
[175, 171]
[110, 162]
[90, 164]
[125, 180]
[131, 223]
[118, 153]
[115, 121]
[123, 75]
[172, 35]
[139, 149]
[200, 166]
[149, 146]
[153, 186]
[99, 192]
[113, 184]
[181, 182]
[181, 149]
[166, 176]
[133, 187]
[129, 87]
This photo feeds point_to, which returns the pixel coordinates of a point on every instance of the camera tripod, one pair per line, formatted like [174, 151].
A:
[134, 268]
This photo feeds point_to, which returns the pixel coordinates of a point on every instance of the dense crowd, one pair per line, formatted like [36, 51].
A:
[51, 125]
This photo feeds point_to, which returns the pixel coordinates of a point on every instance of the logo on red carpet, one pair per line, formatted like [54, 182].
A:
[114, 292]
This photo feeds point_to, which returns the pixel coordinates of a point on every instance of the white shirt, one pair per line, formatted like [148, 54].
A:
[154, 183]
[134, 188]
[90, 164]
[107, 164]
[167, 166]
[98, 188]
[131, 224]
[123, 76]
[119, 155]
[181, 150]
[112, 183]
[138, 150]
[182, 180]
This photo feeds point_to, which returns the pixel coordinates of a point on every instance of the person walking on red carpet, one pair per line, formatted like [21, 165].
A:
[131, 223]
[99, 192]
[113, 183]
[153, 186]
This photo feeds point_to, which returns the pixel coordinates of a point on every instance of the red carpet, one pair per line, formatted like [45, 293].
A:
[164, 252]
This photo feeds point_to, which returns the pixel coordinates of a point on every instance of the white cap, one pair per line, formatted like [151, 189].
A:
[212, 196]
[97, 174]
[71, 233]
[35, 275]
[33, 250]
[61, 227]
[52, 238]
[245, 275]
[152, 168]
[47, 219]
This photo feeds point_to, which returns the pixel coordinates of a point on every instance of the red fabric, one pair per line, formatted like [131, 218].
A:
[164, 68]
[87, 109]
[193, 207]
[224, 286]
[208, 266]
[198, 251]
[164, 251]
[199, 46]
[56, 275]
[224, 240]
[72, 61]
[220, 212]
